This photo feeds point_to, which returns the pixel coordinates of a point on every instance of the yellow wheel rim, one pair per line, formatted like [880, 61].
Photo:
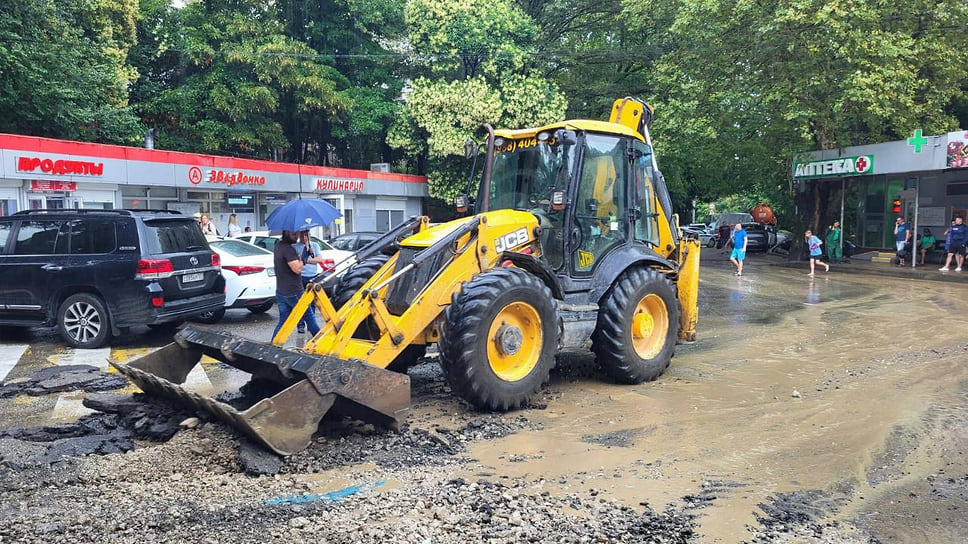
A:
[514, 341]
[650, 326]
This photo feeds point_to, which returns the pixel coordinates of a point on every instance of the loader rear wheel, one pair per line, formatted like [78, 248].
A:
[638, 324]
[499, 339]
[348, 285]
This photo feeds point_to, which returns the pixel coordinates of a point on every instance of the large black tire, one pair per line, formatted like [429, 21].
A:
[642, 355]
[348, 285]
[83, 321]
[262, 308]
[211, 317]
[499, 369]
[355, 277]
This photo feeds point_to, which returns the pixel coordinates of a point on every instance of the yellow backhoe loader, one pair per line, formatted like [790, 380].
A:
[571, 244]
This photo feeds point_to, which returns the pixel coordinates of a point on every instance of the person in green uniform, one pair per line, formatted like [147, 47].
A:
[926, 242]
[835, 253]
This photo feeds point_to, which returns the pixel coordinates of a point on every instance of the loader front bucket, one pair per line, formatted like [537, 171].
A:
[285, 422]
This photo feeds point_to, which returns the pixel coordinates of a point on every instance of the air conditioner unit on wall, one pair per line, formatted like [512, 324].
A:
[380, 167]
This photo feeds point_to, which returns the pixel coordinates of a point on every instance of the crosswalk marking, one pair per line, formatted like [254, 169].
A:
[93, 357]
[69, 408]
[197, 382]
[9, 357]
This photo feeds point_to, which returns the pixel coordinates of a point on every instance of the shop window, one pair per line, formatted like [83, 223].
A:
[956, 189]
[387, 219]
[40, 238]
[347, 220]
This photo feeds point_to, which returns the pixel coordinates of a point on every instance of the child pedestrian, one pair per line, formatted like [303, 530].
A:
[815, 252]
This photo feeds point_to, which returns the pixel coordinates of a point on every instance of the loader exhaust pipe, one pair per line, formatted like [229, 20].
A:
[285, 422]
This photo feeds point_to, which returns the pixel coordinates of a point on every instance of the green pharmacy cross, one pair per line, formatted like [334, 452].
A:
[917, 141]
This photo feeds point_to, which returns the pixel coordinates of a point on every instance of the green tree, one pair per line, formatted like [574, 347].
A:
[746, 85]
[477, 65]
[63, 72]
[225, 79]
[354, 37]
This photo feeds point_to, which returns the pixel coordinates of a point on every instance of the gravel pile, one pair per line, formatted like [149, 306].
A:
[188, 491]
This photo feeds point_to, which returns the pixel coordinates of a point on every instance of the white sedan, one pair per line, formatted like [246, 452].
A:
[333, 259]
[250, 281]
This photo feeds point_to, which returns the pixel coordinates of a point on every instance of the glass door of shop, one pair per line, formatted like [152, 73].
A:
[53, 202]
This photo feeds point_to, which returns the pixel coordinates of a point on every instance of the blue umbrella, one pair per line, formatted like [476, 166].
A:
[297, 215]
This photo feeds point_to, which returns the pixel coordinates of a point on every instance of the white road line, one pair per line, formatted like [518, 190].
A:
[197, 382]
[69, 408]
[9, 357]
[93, 357]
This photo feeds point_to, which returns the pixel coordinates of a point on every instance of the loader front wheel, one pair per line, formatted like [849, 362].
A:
[499, 339]
[638, 323]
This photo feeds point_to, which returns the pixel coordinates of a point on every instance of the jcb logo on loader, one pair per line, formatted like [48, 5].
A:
[511, 240]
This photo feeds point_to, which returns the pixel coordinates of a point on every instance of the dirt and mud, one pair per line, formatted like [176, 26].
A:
[831, 410]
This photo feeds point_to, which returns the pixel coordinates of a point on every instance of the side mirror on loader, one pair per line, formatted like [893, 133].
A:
[566, 137]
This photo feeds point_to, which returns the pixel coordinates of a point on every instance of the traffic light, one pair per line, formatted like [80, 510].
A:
[896, 206]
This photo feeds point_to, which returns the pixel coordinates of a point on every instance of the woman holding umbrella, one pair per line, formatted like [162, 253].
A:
[291, 218]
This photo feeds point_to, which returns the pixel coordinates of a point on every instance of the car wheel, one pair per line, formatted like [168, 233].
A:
[261, 309]
[83, 321]
[213, 316]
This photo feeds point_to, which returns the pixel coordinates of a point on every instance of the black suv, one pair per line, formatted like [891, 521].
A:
[94, 273]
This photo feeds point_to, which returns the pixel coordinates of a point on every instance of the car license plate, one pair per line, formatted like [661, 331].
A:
[192, 278]
[271, 272]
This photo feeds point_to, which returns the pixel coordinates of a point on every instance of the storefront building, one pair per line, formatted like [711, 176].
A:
[38, 173]
[922, 178]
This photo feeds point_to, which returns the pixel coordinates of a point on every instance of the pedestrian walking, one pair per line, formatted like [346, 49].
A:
[835, 253]
[814, 243]
[902, 237]
[740, 241]
[310, 254]
[234, 228]
[289, 285]
[956, 238]
[926, 243]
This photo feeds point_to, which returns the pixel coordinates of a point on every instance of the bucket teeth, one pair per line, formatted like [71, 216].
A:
[286, 421]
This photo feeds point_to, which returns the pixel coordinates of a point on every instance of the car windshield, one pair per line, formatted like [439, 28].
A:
[323, 246]
[237, 248]
[173, 236]
[525, 173]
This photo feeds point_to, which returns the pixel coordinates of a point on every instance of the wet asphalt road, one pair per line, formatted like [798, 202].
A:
[837, 404]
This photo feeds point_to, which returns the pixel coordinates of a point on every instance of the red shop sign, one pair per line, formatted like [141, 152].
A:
[44, 186]
[339, 185]
[60, 167]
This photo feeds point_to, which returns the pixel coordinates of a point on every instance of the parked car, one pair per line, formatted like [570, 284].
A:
[250, 279]
[95, 273]
[760, 237]
[333, 258]
[354, 241]
[700, 231]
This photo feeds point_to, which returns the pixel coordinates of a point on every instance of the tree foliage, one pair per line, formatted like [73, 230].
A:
[478, 61]
[745, 85]
[63, 72]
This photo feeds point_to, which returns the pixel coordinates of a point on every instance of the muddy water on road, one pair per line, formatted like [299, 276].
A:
[849, 385]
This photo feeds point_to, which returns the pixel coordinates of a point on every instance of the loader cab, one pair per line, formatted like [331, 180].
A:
[590, 184]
